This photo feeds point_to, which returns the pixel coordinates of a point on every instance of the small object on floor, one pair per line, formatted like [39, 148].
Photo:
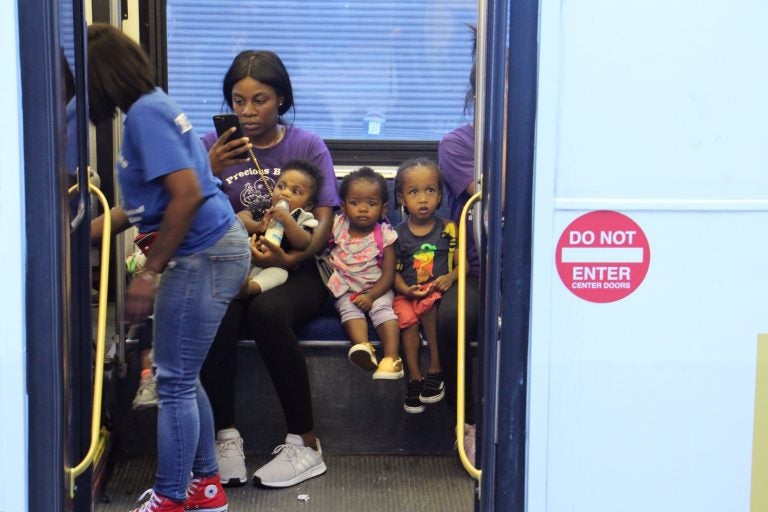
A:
[303, 497]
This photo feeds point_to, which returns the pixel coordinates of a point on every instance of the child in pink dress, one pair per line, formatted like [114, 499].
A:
[363, 262]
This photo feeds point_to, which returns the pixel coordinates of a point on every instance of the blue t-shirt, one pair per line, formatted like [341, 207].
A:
[158, 139]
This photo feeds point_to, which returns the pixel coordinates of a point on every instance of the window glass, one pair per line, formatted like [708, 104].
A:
[361, 70]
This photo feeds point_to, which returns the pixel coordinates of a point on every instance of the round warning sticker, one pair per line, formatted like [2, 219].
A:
[602, 256]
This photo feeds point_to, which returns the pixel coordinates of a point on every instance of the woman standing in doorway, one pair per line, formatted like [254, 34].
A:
[199, 247]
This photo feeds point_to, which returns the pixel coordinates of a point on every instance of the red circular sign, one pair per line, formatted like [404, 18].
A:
[602, 256]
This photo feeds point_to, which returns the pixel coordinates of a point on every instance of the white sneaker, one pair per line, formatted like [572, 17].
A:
[146, 395]
[230, 457]
[293, 463]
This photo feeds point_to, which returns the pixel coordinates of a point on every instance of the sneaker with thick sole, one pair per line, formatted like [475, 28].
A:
[293, 463]
[230, 457]
[412, 404]
[363, 355]
[157, 503]
[204, 494]
[434, 388]
[389, 369]
[146, 395]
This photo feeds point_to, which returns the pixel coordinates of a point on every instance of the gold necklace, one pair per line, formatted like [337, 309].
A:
[278, 138]
[262, 174]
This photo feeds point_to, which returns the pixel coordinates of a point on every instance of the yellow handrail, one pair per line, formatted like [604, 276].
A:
[461, 342]
[98, 379]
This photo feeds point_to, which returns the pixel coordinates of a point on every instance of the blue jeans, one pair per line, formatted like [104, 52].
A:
[191, 299]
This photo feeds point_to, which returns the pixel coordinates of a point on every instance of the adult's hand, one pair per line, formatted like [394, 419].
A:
[224, 152]
[140, 297]
[269, 254]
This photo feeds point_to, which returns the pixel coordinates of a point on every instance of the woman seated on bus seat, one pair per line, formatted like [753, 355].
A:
[258, 89]
[456, 156]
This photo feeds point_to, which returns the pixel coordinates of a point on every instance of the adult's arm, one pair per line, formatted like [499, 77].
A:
[119, 220]
[456, 156]
[185, 197]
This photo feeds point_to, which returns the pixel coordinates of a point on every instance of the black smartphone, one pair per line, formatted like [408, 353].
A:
[224, 122]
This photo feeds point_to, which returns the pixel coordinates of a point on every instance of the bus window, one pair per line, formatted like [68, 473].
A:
[361, 71]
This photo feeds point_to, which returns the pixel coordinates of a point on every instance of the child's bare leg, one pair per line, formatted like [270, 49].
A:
[389, 334]
[429, 323]
[390, 366]
[146, 394]
[362, 353]
[146, 359]
[434, 387]
[253, 288]
[357, 330]
[411, 343]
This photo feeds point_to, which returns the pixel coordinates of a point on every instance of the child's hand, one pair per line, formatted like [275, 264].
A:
[255, 245]
[419, 291]
[280, 214]
[362, 301]
[261, 226]
[443, 283]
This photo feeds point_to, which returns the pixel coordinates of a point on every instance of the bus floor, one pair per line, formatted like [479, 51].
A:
[360, 483]
[379, 458]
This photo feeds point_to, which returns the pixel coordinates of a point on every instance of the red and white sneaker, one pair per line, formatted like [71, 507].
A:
[205, 494]
[157, 503]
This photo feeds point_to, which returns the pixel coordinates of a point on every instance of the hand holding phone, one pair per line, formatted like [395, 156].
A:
[224, 122]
